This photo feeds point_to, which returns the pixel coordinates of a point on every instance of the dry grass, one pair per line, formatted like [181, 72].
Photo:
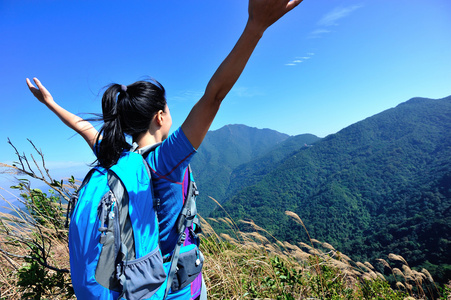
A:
[238, 268]
[18, 236]
[238, 265]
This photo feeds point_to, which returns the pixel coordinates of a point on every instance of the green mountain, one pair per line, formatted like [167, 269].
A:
[380, 186]
[238, 149]
[252, 172]
[221, 152]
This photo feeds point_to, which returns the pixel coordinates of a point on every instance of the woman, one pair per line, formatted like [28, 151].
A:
[140, 111]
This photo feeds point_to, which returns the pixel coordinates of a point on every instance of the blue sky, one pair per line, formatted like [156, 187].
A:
[326, 65]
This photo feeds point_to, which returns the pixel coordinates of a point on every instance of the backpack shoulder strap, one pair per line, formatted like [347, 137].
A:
[189, 210]
[123, 230]
[146, 150]
[185, 220]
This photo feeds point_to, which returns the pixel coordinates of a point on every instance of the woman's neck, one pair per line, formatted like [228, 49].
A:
[147, 138]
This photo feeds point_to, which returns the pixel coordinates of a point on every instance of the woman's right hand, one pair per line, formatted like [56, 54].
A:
[264, 13]
[41, 93]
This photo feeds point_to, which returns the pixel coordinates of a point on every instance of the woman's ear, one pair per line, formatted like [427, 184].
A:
[159, 117]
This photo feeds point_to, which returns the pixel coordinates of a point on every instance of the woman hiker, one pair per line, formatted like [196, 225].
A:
[140, 111]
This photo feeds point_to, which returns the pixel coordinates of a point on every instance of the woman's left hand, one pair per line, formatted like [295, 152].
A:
[41, 93]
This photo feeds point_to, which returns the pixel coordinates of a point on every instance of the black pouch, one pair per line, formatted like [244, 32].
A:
[189, 267]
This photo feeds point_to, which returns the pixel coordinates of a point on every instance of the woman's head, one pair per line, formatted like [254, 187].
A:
[127, 110]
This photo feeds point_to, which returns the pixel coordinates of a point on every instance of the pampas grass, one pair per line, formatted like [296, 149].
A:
[253, 265]
[238, 265]
[243, 265]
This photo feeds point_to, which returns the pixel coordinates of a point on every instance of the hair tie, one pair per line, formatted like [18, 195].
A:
[123, 88]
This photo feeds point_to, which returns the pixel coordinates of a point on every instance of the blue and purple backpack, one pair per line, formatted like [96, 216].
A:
[114, 237]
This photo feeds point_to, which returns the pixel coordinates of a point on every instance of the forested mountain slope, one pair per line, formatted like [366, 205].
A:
[382, 185]
[250, 173]
[223, 150]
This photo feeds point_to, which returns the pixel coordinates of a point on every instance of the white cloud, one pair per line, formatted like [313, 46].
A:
[299, 59]
[318, 32]
[331, 18]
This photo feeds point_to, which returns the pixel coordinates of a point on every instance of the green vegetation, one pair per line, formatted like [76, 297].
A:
[380, 186]
[222, 151]
[35, 260]
[33, 240]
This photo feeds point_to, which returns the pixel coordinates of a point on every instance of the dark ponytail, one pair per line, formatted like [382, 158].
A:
[126, 110]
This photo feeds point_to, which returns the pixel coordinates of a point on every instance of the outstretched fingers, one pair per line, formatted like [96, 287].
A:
[292, 4]
[41, 93]
[40, 86]
[30, 85]
[34, 90]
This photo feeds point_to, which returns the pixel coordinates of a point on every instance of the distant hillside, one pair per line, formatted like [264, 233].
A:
[222, 151]
[382, 185]
[250, 173]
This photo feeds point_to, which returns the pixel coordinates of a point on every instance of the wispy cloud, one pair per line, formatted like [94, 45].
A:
[332, 19]
[318, 32]
[300, 59]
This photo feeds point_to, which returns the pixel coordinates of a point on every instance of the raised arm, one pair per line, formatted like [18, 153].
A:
[262, 14]
[82, 127]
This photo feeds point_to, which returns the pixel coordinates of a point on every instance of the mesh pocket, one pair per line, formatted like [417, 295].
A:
[143, 276]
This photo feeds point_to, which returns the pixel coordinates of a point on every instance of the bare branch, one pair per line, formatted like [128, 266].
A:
[43, 161]
[9, 260]
[17, 153]
[28, 164]
[37, 166]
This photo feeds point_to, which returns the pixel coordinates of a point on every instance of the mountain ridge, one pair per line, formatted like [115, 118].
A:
[352, 186]
[223, 150]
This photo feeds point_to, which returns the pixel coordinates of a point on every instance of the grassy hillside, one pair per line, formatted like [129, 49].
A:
[35, 262]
